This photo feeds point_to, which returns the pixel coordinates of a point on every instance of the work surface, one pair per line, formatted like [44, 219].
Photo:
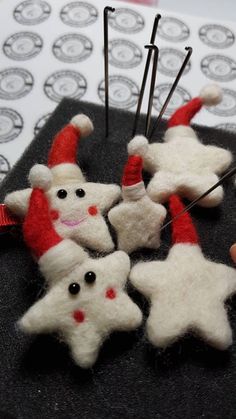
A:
[131, 378]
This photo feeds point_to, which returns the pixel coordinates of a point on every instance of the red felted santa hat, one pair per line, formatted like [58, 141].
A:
[179, 122]
[57, 256]
[62, 156]
[183, 230]
[38, 230]
[132, 180]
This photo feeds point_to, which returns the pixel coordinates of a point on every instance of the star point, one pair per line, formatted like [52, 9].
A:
[187, 293]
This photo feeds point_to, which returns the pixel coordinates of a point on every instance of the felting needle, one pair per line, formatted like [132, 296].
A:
[227, 175]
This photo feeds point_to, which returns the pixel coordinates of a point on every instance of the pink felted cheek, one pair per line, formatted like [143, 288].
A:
[93, 210]
[79, 316]
[111, 293]
[54, 214]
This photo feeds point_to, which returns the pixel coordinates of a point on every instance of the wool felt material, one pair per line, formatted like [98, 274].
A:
[86, 300]
[137, 219]
[187, 291]
[77, 206]
[182, 164]
[37, 377]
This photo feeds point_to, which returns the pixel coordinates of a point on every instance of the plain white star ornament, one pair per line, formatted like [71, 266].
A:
[182, 164]
[186, 291]
[137, 219]
[77, 206]
[86, 298]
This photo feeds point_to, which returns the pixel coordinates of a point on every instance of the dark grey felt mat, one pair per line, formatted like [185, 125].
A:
[131, 378]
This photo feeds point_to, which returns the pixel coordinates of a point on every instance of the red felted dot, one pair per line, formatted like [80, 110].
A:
[93, 210]
[111, 293]
[79, 316]
[54, 214]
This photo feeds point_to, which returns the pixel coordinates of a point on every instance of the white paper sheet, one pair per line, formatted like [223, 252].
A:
[52, 49]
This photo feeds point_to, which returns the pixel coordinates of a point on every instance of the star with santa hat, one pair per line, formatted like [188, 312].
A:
[182, 164]
[86, 298]
[77, 206]
[137, 219]
[186, 291]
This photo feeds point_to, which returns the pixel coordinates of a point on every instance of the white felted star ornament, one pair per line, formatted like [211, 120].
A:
[77, 206]
[186, 291]
[182, 164]
[86, 298]
[137, 219]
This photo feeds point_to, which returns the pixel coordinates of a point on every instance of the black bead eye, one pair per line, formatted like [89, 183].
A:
[80, 193]
[74, 288]
[62, 194]
[90, 277]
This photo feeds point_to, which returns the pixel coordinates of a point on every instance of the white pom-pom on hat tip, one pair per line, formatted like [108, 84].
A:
[211, 95]
[138, 146]
[40, 176]
[83, 123]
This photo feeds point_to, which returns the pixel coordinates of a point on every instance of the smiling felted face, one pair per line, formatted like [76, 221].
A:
[86, 300]
[77, 206]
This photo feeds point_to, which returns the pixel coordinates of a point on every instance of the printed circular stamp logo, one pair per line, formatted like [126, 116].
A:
[227, 107]
[173, 29]
[228, 126]
[11, 124]
[72, 48]
[41, 122]
[15, 83]
[23, 46]
[219, 67]
[65, 83]
[179, 98]
[4, 167]
[124, 54]
[79, 14]
[216, 36]
[123, 92]
[32, 12]
[170, 61]
[126, 20]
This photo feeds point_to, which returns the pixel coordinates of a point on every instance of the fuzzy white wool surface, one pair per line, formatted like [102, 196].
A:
[40, 176]
[133, 192]
[75, 220]
[67, 173]
[74, 216]
[185, 166]
[83, 123]
[187, 294]
[137, 224]
[17, 202]
[186, 154]
[186, 185]
[61, 259]
[138, 146]
[100, 315]
[211, 94]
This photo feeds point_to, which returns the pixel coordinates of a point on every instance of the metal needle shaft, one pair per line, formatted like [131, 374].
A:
[162, 111]
[106, 10]
[145, 74]
[152, 86]
[228, 175]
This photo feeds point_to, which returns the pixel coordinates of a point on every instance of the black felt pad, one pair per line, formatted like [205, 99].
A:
[131, 378]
